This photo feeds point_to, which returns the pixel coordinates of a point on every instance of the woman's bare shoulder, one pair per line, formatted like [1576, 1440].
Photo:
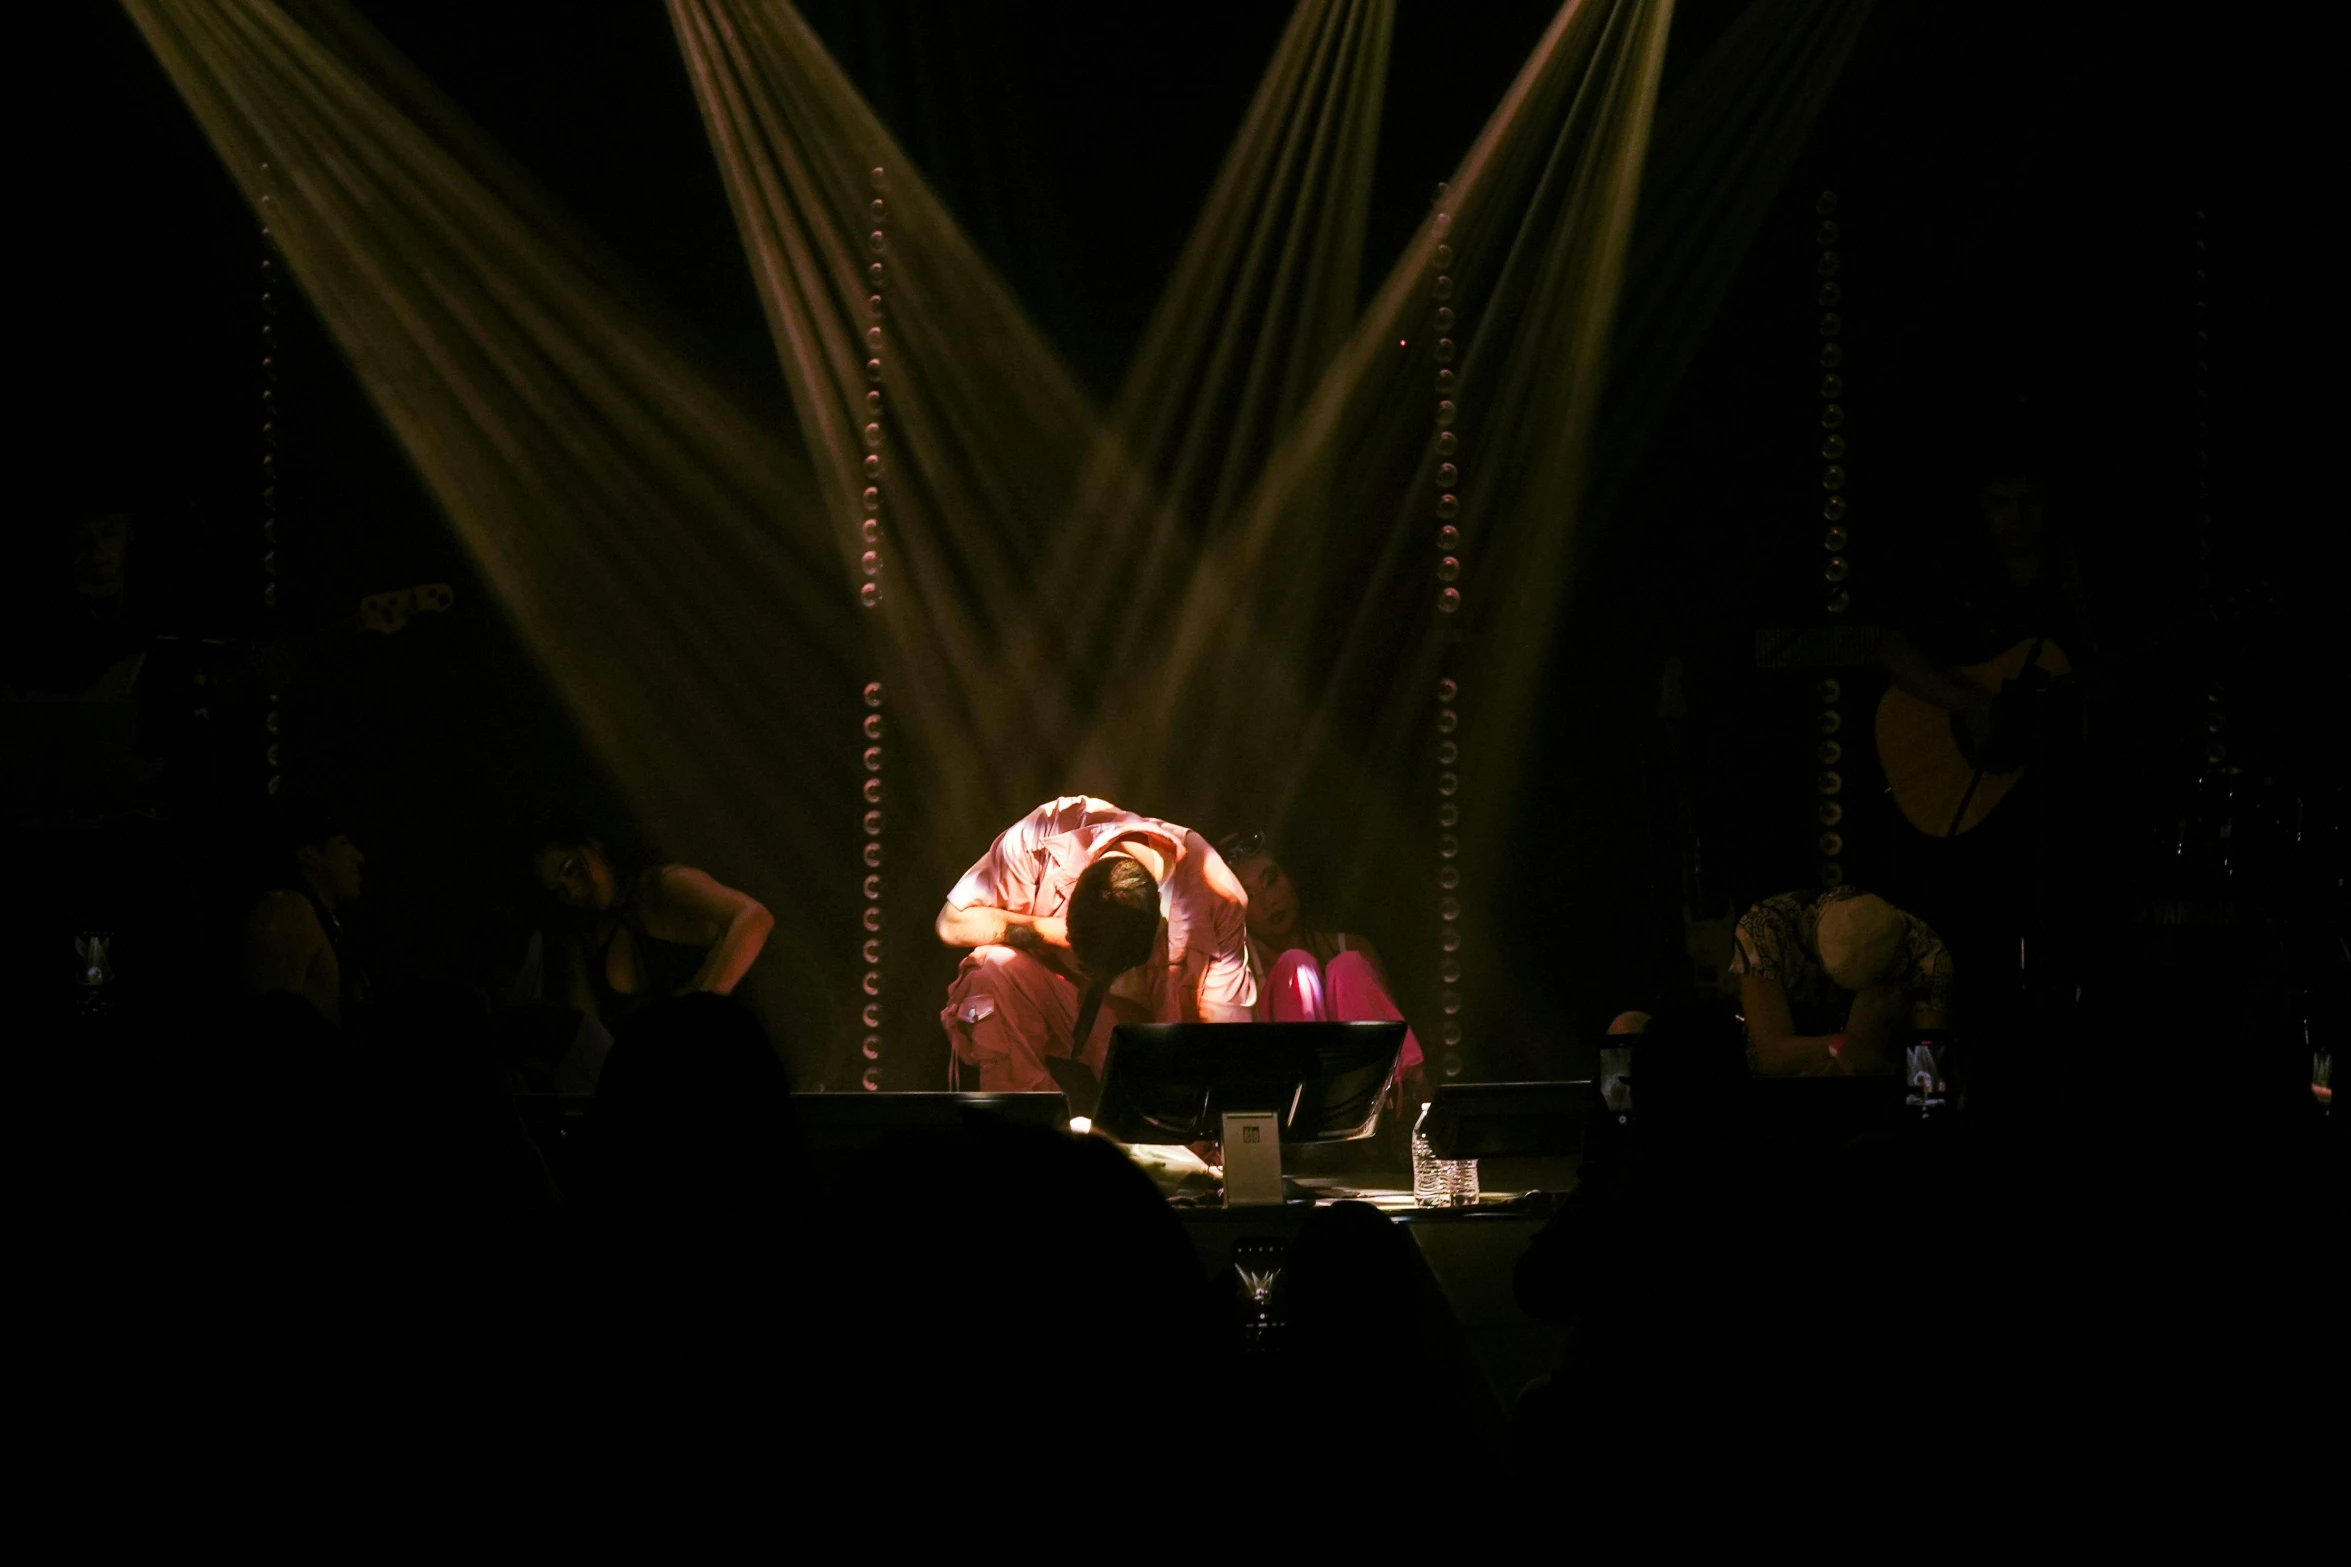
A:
[685, 899]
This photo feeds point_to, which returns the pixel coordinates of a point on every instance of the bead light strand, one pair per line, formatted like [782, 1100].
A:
[2218, 778]
[2203, 387]
[1835, 542]
[273, 753]
[1449, 551]
[869, 595]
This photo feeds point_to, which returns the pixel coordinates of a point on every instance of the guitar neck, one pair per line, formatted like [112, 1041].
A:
[1837, 646]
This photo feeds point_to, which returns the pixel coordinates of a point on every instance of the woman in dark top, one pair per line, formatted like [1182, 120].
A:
[2013, 580]
[659, 930]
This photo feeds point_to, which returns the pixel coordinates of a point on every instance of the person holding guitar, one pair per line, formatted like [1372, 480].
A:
[1833, 984]
[1980, 736]
[1958, 727]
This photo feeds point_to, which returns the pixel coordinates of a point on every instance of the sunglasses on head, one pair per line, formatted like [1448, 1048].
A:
[1242, 846]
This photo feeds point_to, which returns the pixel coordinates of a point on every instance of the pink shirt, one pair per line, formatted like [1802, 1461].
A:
[1202, 950]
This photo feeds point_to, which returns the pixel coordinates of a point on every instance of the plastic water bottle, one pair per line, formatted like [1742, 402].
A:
[1461, 1182]
[1429, 1175]
[1440, 1183]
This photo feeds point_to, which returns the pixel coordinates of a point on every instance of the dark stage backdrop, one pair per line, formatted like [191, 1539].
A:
[2018, 187]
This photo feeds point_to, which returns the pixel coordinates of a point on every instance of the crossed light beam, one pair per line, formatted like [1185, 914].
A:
[1046, 543]
[604, 484]
[1537, 216]
[986, 429]
[1259, 302]
[1245, 481]
[1152, 585]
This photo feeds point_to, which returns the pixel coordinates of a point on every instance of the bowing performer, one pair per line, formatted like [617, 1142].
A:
[1079, 916]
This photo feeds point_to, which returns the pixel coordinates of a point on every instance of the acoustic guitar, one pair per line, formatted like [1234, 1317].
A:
[1932, 768]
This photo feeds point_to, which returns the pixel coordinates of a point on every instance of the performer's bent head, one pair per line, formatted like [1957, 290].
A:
[1113, 916]
[1864, 942]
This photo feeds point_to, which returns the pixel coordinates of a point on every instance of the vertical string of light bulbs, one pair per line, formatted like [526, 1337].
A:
[1449, 634]
[2217, 796]
[2203, 364]
[273, 745]
[869, 596]
[1836, 569]
[2215, 691]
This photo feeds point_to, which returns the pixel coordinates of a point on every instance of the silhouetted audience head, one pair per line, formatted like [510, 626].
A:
[1368, 1330]
[1691, 1086]
[1011, 1306]
[693, 1102]
[1354, 1295]
[694, 1280]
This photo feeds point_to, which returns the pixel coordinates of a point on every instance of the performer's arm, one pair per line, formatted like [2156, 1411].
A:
[741, 920]
[1221, 989]
[1930, 990]
[1779, 1050]
[1910, 668]
[982, 926]
[287, 949]
[1872, 1029]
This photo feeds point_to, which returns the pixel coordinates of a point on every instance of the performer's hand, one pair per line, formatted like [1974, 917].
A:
[1977, 722]
[1999, 744]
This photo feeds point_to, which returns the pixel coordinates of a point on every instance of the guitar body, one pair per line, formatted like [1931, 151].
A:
[1929, 768]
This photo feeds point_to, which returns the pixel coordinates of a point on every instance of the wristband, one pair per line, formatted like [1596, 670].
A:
[1836, 1046]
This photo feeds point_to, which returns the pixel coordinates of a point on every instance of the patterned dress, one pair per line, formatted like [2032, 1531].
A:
[1779, 939]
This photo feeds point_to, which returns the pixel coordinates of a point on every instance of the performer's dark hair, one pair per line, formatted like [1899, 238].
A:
[1113, 915]
[626, 854]
[1113, 920]
[624, 849]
